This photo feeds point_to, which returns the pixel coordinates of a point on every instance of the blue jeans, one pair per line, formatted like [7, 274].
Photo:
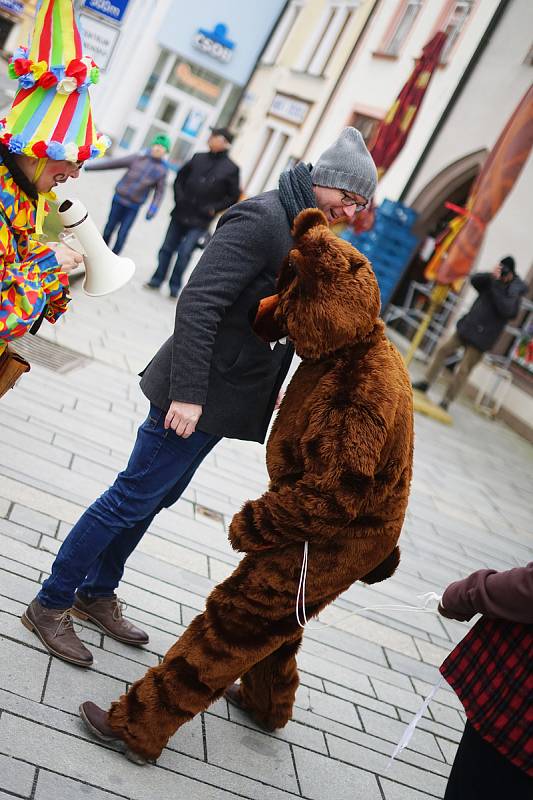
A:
[119, 215]
[178, 239]
[92, 557]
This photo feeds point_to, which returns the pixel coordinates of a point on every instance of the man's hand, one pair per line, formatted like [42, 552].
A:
[67, 258]
[497, 272]
[182, 418]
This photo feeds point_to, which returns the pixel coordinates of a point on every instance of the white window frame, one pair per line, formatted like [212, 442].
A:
[461, 20]
[282, 32]
[393, 45]
[321, 44]
[272, 146]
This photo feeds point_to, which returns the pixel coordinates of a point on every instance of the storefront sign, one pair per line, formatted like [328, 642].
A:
[187, 79]
[13, 6]
[99, 39]
[114, 9]
[289, 108]
[214, 43]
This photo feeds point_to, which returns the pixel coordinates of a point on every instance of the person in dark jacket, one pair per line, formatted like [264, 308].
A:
[213, 378]
[498, 302]
[205, 185]
[491, 671]
[146, 173]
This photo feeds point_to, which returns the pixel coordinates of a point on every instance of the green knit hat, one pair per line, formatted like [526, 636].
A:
[163, 140]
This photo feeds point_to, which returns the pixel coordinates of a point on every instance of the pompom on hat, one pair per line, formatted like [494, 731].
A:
[51, 114]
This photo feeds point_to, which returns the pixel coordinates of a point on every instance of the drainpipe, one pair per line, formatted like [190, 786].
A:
[482, 44]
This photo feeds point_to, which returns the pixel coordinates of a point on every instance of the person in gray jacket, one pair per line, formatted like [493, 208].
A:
[212, 378]
[498, 302]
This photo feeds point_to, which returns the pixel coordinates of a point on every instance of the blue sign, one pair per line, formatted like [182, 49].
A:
[114, 9]
[215, 43]
[193, 123]
[15, 6]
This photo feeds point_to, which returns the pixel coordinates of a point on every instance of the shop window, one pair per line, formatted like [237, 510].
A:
[167, 110]
[196, 81]
[453, 24]
[180, 153]
[365, 124]
[282, 33]
[152, 81]
[127, 138]
[321, 45]
[401, 26]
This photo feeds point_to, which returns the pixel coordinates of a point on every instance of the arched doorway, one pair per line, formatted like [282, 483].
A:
[452, 184]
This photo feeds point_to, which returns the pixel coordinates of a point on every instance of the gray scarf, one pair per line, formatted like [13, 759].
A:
[296, 190]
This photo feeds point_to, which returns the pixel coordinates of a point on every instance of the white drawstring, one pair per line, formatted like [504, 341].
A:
[426, 599]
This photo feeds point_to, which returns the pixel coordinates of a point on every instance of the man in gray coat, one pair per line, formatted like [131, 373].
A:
[212, 378]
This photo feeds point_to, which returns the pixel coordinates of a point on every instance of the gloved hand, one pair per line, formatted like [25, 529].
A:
[152, 210]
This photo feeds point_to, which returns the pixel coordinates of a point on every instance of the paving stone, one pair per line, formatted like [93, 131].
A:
[325, 705]
[45, 502]
[15, 531]
[18, 588]
[378, 763]
[76, 758]
[396, 696]
[389, 729]
[250, 753]
[22, 669]
[394, 791]
[426, 724]
[19, 569]
[359, 699]
[16, 776]
[5, 505]
[30, 518]
[448, 748]
[51, 786]
[322, 777]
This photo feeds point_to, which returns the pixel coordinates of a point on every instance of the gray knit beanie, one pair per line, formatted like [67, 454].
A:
[348, 165]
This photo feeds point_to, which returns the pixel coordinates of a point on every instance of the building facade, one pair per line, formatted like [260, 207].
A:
[171, 67]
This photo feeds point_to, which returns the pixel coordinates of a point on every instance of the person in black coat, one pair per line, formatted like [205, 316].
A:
[205, 185]
[498, 302]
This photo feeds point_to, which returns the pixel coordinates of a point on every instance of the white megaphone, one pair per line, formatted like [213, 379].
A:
[105, 272]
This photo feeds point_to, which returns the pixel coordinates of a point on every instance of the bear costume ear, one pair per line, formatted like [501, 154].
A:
[307, 219]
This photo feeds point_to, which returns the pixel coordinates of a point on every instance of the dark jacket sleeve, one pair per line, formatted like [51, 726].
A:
[480, 280]
[112, 163]
[499, 595]
[232, 194]
[181, 178]
[506, 297]
[237, 253]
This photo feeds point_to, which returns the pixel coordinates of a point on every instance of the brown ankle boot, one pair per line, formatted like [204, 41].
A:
[55, 630]
[96, 720]
[106, 612]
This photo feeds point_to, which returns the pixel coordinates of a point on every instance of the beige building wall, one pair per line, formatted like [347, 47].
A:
[289, 90]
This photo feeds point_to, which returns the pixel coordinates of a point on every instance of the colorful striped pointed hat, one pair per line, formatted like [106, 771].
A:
[51, 114]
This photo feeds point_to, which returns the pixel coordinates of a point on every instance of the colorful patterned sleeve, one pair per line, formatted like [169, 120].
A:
[28, 286]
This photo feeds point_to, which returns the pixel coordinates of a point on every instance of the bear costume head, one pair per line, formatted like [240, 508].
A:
[328, 297]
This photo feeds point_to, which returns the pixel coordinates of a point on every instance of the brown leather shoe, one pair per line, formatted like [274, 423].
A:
[95, 719]
[55, 630]
[234, 696]
[106, 612]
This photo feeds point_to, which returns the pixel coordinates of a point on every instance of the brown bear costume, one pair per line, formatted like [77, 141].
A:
[339, 459]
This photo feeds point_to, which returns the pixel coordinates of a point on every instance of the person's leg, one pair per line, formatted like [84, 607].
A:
[186, 246]
[471, 357]
[158, 461]
[480, 772]
[115, 216]
[168, 248]
[106, 572]
[447, 349]
[128, 218]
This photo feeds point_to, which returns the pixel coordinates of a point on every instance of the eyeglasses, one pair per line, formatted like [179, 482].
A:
[347, 200]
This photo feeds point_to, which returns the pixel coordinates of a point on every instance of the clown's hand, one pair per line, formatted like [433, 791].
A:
[67, 258]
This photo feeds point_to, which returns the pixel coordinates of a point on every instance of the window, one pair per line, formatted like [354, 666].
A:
[127, 138]
[365, 124]
[401, 27]
[321, 45]
[151, 83]
[280, 35]
[453, 24]
[167, 110]
[268, 154]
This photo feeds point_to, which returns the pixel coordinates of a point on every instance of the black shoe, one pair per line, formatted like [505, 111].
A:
[173, 294]
[444, 404]
[150, 285]
[421, 386]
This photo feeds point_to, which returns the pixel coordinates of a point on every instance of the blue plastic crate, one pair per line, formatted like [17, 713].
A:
[397, 211]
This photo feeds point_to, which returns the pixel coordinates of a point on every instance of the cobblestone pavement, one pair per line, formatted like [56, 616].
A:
[65, 436]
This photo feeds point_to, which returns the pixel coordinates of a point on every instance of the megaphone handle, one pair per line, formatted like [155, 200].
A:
[71, 241]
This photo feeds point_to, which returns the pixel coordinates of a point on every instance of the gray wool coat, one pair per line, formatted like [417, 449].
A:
[214, 359]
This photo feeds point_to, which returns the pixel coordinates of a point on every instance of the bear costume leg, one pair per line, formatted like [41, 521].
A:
[248, 629]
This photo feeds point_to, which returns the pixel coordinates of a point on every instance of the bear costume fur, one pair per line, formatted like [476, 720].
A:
[339, 459]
